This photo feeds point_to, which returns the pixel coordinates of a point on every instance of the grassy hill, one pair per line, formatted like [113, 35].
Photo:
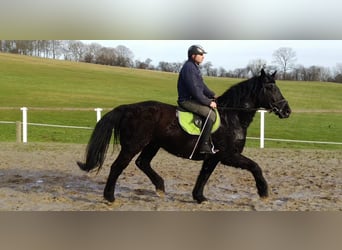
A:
[80, 87]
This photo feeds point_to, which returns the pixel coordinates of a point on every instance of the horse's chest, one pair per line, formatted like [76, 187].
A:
[235, 129]
[239, 134]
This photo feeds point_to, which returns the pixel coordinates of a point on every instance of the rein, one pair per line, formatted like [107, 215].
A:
[273, 108]
[242, 109]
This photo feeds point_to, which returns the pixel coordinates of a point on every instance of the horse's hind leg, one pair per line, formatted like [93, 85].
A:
[116, 169]
[144, 164]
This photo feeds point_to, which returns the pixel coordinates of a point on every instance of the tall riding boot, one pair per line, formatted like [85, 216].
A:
[206, 146]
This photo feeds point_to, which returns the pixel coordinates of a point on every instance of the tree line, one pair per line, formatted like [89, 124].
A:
[284, 60]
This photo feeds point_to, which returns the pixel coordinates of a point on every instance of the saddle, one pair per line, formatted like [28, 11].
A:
[192, 123]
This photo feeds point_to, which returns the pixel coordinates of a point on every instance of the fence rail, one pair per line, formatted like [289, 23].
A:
[7, 122]
[57, 126]
[297, 141]
[21, 130]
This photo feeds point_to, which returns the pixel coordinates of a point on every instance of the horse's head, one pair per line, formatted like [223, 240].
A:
[270, 96]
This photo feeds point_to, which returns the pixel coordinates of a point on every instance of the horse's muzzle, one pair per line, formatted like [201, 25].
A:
[281, 109]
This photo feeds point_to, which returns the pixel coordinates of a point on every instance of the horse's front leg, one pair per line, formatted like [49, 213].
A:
[240, 161]
[207, 168]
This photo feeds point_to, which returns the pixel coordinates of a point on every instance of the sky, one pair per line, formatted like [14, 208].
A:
[232, 54]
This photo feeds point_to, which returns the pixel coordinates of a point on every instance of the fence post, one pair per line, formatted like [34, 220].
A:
[262, 128]
[18, 131]
[98, 114]
[24, 109]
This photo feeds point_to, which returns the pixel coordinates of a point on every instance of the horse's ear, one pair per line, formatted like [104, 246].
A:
[273, 75]
[263, 73]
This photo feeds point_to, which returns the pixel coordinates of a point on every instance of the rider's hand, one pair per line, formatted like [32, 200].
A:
[213, 105]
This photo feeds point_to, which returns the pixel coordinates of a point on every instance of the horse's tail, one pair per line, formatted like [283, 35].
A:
[99, 141]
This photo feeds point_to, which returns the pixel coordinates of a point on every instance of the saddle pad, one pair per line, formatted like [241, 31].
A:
[186, 121]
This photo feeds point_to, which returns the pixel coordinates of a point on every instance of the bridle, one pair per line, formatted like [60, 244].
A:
[275, 107]
[278, 108]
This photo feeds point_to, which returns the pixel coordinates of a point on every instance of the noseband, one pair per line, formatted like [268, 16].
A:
[278, 106]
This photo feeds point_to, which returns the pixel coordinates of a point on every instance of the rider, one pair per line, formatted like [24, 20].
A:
[195, 96]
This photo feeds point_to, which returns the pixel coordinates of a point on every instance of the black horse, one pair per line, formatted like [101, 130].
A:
[148, 126]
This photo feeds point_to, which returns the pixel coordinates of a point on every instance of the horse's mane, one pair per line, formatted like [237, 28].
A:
[237, 95]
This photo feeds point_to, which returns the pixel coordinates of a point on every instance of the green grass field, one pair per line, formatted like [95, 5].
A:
[51, 84]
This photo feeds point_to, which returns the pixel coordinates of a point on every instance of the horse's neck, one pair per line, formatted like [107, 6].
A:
[246, 118]
[244, 115]
[241, 103]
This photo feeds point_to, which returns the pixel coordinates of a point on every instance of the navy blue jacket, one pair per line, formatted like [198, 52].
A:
[191, 85]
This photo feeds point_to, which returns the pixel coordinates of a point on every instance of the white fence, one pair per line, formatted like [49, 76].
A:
[22, 129]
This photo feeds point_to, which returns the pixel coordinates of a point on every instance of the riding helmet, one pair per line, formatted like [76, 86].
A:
[196, 50]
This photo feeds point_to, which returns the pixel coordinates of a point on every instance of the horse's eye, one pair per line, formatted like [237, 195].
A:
[269, 86]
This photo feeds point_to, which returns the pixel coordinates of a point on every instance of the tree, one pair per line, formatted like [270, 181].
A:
[143, 65]
[207, 68]
[325, 74]
[240, 73]
[255, 66]
[285, 58]
[91, 52]
[298, 73]
[169, 67]
[338, 68]
[56, 48]
[222, 72]
[338, 78]
[73, 50]
[124, 56]
[338, 73]
[106, 56]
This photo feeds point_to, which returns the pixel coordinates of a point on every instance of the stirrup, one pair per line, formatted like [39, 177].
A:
[206, 149]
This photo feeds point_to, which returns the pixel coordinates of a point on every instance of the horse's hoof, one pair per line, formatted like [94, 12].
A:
[264, 198]
[109, 198]
[81, 165]
[263, 193]
[205, 202]
[202, 200]
[108, 203]
[160, 193]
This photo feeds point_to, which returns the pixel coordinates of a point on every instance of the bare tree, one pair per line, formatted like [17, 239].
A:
[313, 73]
[222, 72]
[143, 65]
[169, 67]
[56, 48]
[240, 73]
[338, 68]
[6, 45]
[45, 48]
[255, 66]
[298, 73]
[74, 50]
[106, 56]
[285, 58]
[207, 68]
[91, 52]
[177, 66]
[325, 74]
[124, 56]
[338, 73]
